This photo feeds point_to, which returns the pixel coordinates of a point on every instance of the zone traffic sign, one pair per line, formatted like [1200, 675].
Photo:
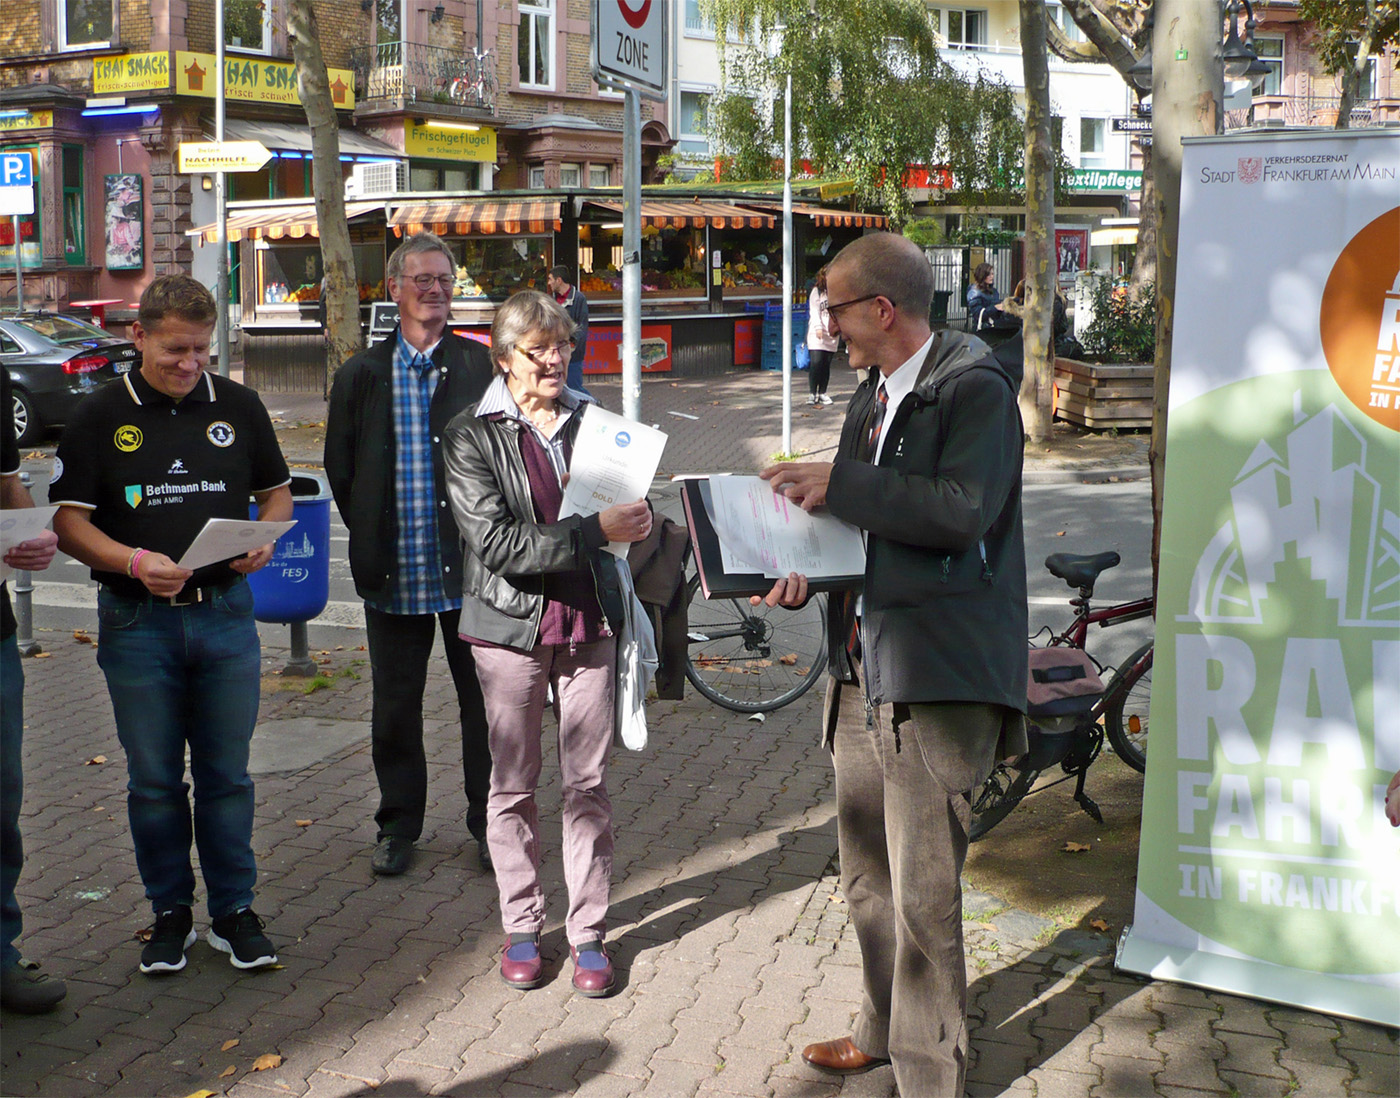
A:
[629, 45]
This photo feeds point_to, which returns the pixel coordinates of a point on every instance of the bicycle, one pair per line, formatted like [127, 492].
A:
[753, 659]
[1071, 733]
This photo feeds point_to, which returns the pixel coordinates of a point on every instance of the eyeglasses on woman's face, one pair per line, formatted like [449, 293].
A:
[425, 282]
[542, 356]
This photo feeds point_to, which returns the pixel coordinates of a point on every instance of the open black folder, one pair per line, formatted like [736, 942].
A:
[715, 582]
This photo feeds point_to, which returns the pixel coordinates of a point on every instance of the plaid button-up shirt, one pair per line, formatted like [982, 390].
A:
[417, 586]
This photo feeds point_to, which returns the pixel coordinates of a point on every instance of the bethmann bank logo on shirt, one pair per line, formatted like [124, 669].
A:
[154, 495]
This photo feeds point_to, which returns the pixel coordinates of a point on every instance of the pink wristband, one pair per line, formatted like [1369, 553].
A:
[136, 563]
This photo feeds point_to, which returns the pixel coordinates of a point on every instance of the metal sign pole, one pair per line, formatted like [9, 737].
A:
[19, 273]
[632, 256]
[787, 266]
[221, 293]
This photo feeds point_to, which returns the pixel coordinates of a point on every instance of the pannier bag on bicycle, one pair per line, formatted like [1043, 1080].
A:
[1062, 682]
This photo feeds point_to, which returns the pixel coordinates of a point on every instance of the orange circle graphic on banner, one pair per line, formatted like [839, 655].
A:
[1360, 322]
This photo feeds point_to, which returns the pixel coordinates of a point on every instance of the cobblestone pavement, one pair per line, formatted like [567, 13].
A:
[728, 927]
[728, 930]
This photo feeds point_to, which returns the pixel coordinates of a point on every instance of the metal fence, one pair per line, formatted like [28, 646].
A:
[952, 272]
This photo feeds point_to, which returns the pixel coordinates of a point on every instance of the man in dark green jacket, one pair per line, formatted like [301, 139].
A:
[928, 658]
[388, 410]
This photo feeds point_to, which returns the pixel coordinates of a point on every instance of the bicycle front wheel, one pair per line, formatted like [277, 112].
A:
[753, 659]
[1125, 716]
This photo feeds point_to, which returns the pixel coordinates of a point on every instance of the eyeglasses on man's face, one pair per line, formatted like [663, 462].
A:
[541, 356]
[833, 309]
[425, 282]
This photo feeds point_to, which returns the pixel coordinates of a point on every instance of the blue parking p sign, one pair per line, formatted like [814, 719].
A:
[15, 170]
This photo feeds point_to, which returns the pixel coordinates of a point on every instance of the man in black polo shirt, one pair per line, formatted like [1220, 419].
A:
[23, 988]
[143, 465]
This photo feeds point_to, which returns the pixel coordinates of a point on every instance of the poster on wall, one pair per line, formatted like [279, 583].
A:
[1267, 867]
[1071, 249]
[126, 222]
[604, 352]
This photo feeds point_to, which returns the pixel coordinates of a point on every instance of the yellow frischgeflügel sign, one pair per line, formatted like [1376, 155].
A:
[449, 143]
[202, 157]
[132, 72]
[254, 81]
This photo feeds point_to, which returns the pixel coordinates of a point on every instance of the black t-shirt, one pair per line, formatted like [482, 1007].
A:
[153, 470]
[9, 465]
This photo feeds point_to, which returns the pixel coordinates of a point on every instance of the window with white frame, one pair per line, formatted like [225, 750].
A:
[83, 24]
[696, 25]
[961, 28]
[537, 177]
[1062, 19]
[1093, 142]
[248, 25]
[1269, 49]
[569, 175]
[599, 175]
[1366, 87]
[690, 135]
[534, 47]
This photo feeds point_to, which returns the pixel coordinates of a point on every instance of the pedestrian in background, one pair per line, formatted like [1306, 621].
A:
[389, 406]
[23, 988]
[821, 344]
[543, 606]
[927, 659]
[570, 298]
[143, 465]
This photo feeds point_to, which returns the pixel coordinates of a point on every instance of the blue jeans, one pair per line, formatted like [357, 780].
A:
[182, 675]
[11, 793]
[574, 378]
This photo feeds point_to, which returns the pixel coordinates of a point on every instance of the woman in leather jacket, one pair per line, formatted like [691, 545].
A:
[539, 605]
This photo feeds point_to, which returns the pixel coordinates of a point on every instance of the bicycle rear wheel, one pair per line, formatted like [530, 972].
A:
[1125, 715]
[1002, 791]
[753, 659]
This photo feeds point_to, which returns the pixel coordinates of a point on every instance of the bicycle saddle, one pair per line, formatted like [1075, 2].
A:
[1078, 570]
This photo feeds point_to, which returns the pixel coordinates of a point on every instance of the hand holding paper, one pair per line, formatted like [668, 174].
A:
[24, 541]
[224, 539]
[614, 462]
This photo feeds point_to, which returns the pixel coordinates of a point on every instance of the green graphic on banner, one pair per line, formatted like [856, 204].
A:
[1276, 700]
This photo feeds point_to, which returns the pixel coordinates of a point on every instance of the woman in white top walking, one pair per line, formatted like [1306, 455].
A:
[821, 345]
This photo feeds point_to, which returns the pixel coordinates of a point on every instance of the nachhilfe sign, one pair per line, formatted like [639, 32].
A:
[629, 44]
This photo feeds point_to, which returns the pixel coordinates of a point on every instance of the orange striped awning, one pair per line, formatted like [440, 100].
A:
[698, 214]
[276, 222]
[536, 215]
[827, 218]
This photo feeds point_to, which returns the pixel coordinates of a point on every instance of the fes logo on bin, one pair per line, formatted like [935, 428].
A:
[623, 439]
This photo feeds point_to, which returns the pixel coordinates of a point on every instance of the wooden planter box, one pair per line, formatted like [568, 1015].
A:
[1103, 396]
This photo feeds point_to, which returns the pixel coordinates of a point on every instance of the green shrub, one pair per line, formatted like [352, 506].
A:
[1124, 328]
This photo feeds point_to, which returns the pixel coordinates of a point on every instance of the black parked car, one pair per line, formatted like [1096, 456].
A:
[55, 361]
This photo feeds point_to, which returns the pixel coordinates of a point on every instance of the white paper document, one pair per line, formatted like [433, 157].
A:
[224, 539]
[614, 461]
[20, 525]
[761, 530]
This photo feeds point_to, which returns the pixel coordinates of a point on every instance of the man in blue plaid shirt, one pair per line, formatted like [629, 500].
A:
[388, 408]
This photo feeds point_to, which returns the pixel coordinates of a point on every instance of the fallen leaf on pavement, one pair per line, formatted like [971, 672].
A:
[96, 760]
[1098, 924]
[202, 1094]
[1059, 533]
[100, 808]
[788, 660]
[42, 655]
[1076, 848]
[232, 1042]
[303, 823]
[227, 1072]
[82, 638]
[267, 1061]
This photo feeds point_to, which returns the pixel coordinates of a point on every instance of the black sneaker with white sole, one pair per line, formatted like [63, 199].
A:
[171, 936]
[241, 936]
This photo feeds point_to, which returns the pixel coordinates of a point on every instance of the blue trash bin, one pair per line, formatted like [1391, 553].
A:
[295, 584]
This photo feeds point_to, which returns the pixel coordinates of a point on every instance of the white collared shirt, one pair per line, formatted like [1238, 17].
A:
[898, 386]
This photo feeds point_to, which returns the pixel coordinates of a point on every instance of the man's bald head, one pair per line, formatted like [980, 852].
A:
[890, 266]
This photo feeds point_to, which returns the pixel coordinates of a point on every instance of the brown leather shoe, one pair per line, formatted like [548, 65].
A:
[841, 1057]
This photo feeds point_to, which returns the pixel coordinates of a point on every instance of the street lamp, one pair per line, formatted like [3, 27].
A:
[1240, 60]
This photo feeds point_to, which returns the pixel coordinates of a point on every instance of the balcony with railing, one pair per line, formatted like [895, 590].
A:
[409, 75]
[1311, 110]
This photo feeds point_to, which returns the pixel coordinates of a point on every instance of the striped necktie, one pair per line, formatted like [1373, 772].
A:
[876, 422]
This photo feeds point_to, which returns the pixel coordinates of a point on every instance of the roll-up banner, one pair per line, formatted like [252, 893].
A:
[1267, 867]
